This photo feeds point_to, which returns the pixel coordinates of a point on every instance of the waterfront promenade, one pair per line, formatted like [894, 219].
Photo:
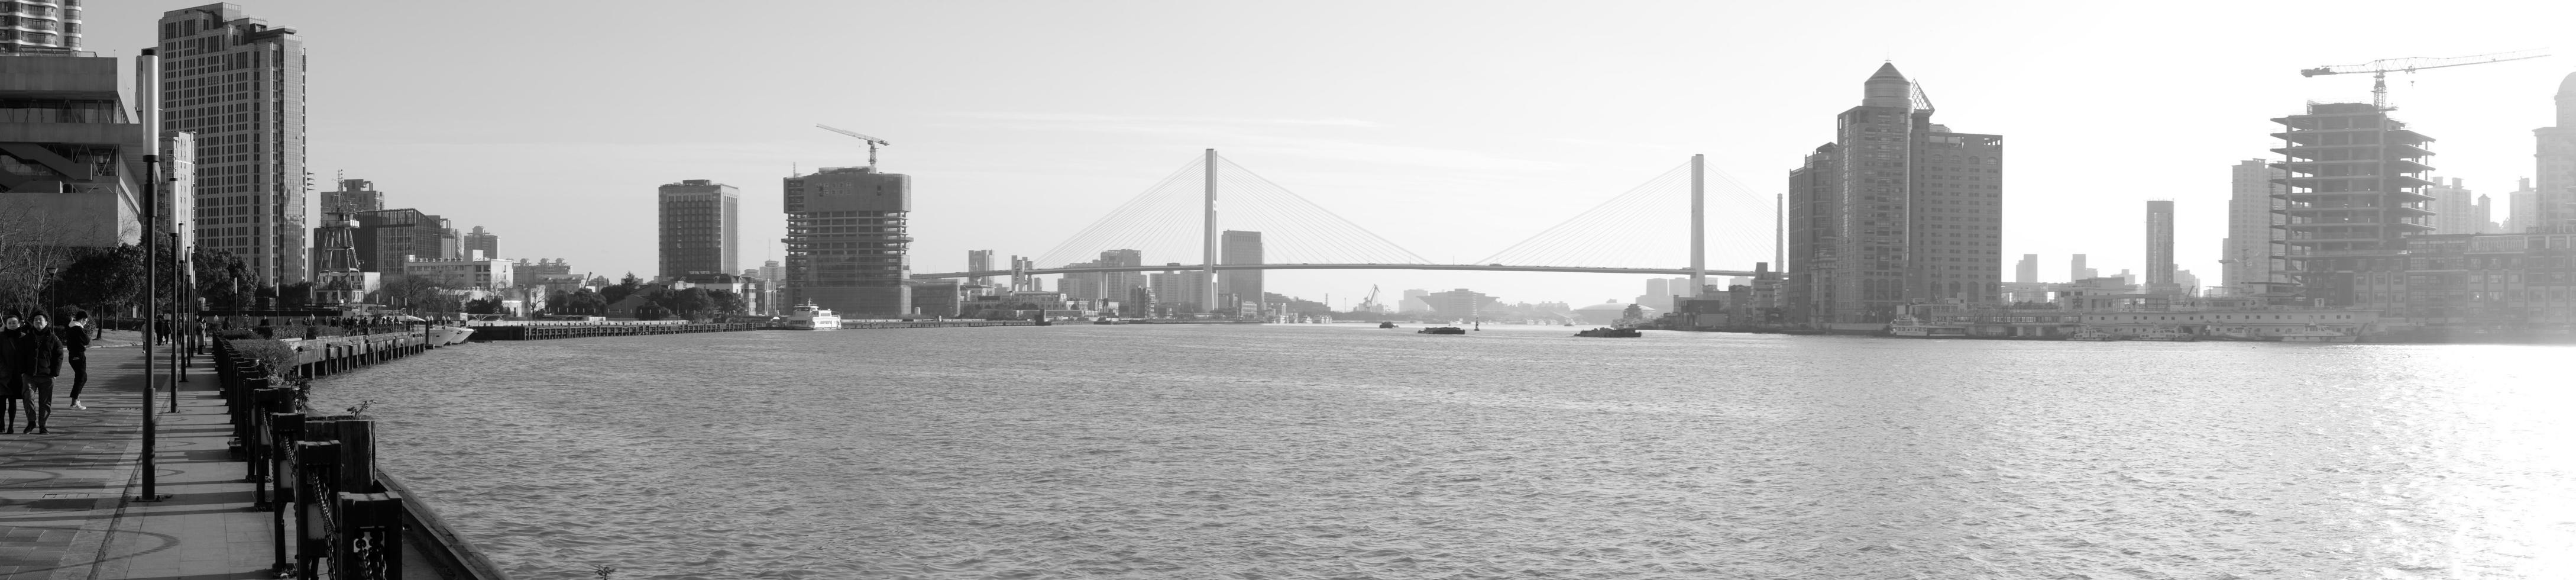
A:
[64, 509]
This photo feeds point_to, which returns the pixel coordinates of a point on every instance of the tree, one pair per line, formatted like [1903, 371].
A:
[221, 278]
[483, 306]
[726, 302]
[579, 301]
[686, 303]
[622, 289]
[104, 281]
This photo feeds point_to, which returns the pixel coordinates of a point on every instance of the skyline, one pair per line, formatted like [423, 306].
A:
[1396, 119]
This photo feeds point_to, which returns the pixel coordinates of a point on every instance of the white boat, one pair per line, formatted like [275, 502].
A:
[1911, 327]
[807, 316]
[2167, 334]
[449, 335]
[2316, 334]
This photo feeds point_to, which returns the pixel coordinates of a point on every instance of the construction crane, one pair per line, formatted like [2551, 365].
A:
[1370, 304]
[2379, 69]
[872, 142]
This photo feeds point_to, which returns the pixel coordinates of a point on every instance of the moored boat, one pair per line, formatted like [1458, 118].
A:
[1606, 332]
[449, 335]
[807, 316]
[1442, 330]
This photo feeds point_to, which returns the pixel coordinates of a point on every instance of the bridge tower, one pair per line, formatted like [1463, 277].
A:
[1208, 243]
[1699, 224]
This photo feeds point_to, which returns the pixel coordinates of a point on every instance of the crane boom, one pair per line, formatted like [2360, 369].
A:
[2379, 69]
[872, 141]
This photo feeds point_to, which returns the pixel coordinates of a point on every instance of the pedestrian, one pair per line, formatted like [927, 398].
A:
[75, 336]
[10, 387]
[264, 330]
[36, 355]
[161, 327]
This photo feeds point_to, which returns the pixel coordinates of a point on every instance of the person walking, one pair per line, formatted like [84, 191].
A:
[75, 337]
[37, 356]
[11, 391]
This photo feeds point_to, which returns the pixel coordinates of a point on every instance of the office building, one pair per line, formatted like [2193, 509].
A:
[2355, 187]
[2554, 201]
[354, 195]
[847, 242]
[40, 26]
[1896, 210]
[385, 238]
[238, 84]
[479, 240]
[700, 228]
[71, 158]
[2027, 270]
[2160, 232]
[2253, 252]
[1239, 247]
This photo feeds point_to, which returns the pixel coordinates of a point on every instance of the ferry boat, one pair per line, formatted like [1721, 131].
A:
[807, 316]
[2092, 334]
[2167, 335]
[1911, 327]
[1442, 330]
[2316, 334]
[1607, 332]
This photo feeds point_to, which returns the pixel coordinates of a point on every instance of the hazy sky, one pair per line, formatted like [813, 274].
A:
[1453, 129]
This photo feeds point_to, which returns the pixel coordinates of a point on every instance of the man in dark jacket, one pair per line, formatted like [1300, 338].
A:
[75, 336]
[36, 355]
[10, 385]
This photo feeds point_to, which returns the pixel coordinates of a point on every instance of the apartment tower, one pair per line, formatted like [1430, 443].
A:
[2252, 251]
[699, 228]
[1897, 210]
[40, 26]
[847, 243]
[2160, 234]
[488, 243]
[238, 84]
[1239, 247]
[2521, 207]
[2355, 192]
[2554, 204]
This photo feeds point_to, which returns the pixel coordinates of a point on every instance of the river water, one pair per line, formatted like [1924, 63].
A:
[1325, 451]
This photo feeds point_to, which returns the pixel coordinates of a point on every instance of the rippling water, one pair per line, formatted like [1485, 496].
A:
[1349, 452]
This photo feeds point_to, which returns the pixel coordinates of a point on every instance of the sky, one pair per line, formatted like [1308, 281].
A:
[1453, 129]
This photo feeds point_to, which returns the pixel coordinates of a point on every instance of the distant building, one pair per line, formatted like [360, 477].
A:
[387, 237]
[2455, 208]
[1896, 210]
[544, 272]
[248, 114]
[2355, 188]
[42, 26]
[1178, 291]
[979, 261]
[489, 244]
[179, 185]
[848, 242]
[1610, 312]
[2160, 233]
[1460, 304]
[699, 228]
[2554, 201]
[354, 195]
[2521, 207]
[1414, 300]
[2075, 269]
[937, 298]
[2252, 251]
[473, 271]
[2027, 270]
[1239, 247]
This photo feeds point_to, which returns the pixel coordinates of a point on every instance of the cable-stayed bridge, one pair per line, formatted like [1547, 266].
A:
[1662, 226]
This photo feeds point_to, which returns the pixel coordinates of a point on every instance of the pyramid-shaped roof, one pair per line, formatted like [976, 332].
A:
[1887, 71]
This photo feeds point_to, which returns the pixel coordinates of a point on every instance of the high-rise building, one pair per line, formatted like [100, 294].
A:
[2076, 271]
[1658, 294]
[2027, 270]
[1414, 300]
[1178, 290]
[179, 185]
[72, 170]
[2252, 251]
[2355, 188]
[2554, 203]
[238, 83]
[385, 238]
[2455, 208]
[38, 26]
[2160, 232]
[1896, 210]
[2521, 208]
[771, 272]
[354, 195]
[489, 243]
[848, 246]
[1115, 286]
[979, 261]
[700, 226]
[1239, 247]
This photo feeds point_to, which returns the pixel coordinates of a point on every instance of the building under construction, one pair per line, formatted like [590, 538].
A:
[2352, 192]
[847, 246]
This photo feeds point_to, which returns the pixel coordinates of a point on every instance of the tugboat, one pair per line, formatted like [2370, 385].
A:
[1386, 325]
[1442, 330]
[1607, 332]
[2092, 334]
[807, 316]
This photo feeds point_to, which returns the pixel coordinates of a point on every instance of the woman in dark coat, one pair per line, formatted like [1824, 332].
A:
[75, 337]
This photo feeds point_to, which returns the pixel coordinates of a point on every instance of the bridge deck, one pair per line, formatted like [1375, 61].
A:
[1476, 267]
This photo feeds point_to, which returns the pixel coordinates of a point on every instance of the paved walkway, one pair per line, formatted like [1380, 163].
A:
[65, 512]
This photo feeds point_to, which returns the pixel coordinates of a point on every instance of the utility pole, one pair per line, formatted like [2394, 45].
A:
[1209, 244]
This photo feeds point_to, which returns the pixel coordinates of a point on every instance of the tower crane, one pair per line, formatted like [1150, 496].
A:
[1370, 304]
[872, 142]
[2379, 69]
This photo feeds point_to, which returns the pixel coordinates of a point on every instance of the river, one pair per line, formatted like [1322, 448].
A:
[1342, 451]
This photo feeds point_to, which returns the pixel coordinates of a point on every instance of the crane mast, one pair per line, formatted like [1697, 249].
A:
[872, 142]
[2379, 69]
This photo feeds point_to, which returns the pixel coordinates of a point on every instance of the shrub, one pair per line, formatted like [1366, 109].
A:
[278, 357]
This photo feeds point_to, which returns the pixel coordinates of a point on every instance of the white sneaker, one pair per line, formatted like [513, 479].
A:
[76, 405]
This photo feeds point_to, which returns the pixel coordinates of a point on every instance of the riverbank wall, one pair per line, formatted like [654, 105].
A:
[556, 330]
[330, 507]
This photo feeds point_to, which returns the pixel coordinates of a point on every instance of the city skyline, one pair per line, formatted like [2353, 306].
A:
[1383, 162]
